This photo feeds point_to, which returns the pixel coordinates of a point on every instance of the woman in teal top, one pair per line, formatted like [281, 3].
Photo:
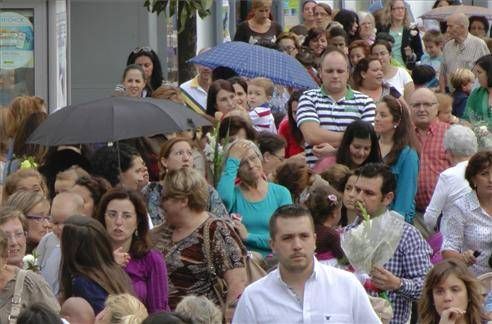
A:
[398, 144]
[479, 103]
[245, 191]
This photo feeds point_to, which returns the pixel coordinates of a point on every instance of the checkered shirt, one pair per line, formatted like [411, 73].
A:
[411, 262]
[432, 161]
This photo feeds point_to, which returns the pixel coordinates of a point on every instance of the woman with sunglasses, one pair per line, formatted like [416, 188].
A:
[147, 58]
[36, 208]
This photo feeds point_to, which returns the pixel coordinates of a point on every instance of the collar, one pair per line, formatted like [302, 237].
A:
[194, 84]
[349, 94]
[473, 203]
[431, 129]
[314, 275]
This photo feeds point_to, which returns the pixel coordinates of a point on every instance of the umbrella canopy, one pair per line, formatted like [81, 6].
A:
[257, 61]
[442, 13]
[113, 119]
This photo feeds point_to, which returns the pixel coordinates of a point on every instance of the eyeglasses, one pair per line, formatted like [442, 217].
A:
[182, 153]
[38, 218]
[288, 48]
[321, 14]
[251, 158]
[16, 235]
[145, 49]
[426, 105]
[280, 158]
[398, 8]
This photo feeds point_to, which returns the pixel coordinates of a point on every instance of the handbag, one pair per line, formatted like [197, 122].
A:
[253, 269]
[17, 298]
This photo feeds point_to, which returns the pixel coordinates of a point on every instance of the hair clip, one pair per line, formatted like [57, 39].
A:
[332, 198]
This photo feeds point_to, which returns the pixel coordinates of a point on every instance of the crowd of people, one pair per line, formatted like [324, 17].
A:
[167, 228]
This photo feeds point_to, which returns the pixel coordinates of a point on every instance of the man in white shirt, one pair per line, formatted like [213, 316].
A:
[461, 51]
[302, 290]
[460, 144]
[195, 91]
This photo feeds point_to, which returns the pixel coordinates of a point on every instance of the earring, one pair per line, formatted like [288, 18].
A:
[136, 233]
[395, 126]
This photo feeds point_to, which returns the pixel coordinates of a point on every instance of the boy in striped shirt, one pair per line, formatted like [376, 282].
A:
[260, 91]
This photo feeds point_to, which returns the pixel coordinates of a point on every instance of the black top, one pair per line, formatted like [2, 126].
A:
[245, 34]
[410, 37]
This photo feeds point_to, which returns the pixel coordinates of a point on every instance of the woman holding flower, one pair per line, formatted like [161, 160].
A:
[34, 288]
[244, 189]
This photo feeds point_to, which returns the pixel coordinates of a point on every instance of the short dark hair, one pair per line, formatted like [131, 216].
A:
[314, 33]
[336, 32]
[476, 164]
[109, 161]
[223, 73]
[422, 74]
[374, 170]
[481, 19]
[38, 313]
[485, 62]
[381, 41]
[288, 211]
[271, 143]
[231, 125]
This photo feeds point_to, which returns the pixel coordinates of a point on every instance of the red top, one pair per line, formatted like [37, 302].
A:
[285, 131]
[432, 161]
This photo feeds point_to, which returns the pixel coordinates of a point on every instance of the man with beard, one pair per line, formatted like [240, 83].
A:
[302, 290]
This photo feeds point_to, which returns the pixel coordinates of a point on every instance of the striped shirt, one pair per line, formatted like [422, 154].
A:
[262, 119]
[456, 56]
[317, 106]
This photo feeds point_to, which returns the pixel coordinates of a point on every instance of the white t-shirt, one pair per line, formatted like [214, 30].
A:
[399, 80]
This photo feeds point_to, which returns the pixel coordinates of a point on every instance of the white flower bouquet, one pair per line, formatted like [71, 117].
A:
[374, 241]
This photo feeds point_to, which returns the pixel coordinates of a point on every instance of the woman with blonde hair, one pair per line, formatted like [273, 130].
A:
[36, 209]
[367, 27]
[199, 310]
[198, 247]
[259, 28]
[246, 191]
[122, 309]
[24, 180]
[175, 154]
[21, 107]
[451, 294]
[407, 48]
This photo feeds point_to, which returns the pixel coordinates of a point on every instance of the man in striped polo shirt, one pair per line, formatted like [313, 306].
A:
[324, 113]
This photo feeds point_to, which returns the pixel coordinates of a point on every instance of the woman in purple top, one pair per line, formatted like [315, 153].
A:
[124, 215]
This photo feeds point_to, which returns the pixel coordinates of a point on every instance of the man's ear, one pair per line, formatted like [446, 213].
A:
[388, 198]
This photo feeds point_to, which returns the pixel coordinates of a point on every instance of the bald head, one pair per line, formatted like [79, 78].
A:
[64, 205]
[423, 103]
[78, 311]
[458, 26]
[460, 19]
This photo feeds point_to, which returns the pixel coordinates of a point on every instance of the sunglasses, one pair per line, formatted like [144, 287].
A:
[145, 49]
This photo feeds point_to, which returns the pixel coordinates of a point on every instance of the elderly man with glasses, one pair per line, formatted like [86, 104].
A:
[430, 133]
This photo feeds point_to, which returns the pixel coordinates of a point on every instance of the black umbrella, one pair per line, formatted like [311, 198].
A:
[113, 119]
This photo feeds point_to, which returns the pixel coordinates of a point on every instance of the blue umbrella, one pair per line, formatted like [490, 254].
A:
[257, 61]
